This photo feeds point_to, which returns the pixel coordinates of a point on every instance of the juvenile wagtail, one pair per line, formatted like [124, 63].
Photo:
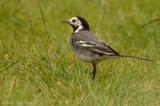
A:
[88, 47]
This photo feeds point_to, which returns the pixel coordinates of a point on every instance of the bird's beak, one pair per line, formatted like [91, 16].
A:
[66, 21]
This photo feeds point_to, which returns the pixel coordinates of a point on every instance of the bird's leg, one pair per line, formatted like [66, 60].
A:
[94, 70]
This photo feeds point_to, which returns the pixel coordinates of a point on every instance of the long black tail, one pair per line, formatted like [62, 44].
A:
[134, 57]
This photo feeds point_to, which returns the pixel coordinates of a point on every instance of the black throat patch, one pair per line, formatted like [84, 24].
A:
[74, 27]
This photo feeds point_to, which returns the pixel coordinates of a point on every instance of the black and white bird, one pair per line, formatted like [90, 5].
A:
[87, 46]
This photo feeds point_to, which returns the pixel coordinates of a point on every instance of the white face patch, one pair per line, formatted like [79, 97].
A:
[77, 23]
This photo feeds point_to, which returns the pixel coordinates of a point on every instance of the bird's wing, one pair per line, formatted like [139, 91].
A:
[88, 40]
[97, 48]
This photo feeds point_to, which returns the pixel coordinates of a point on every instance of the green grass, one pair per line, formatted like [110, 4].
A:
[40, 69]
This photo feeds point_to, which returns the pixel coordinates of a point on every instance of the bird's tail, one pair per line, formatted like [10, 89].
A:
[134, 57]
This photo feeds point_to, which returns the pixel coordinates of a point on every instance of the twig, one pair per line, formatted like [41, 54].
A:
[43, 20]
[143, 26]
[30, 21]
[103, 5]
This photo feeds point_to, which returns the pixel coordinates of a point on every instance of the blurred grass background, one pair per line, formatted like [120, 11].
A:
[37, 68]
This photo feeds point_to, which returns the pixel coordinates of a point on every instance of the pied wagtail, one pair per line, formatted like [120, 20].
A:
[87, 46]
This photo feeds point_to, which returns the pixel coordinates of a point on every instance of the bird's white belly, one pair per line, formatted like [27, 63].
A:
[87, 58]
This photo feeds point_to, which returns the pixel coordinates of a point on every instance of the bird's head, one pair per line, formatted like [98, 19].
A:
[78, 23]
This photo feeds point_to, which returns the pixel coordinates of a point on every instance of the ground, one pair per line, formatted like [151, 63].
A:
[37, 66]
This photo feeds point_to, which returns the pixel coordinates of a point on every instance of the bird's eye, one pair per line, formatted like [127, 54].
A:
[74, 20]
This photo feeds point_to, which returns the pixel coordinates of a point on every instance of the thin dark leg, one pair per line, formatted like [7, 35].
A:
[94, 70]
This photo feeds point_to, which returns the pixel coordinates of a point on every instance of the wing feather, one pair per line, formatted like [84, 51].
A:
[97, 48]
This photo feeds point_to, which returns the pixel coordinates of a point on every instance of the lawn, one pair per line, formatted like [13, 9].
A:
[38, 67]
